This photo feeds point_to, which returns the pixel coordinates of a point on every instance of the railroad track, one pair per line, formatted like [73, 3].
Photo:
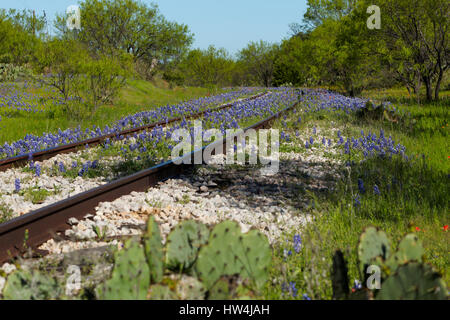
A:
[46, 154]
[27, 232]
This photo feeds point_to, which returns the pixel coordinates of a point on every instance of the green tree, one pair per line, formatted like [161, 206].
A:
[111, 27]
[415, 33]
[17, 45]
[258, 60]
[207, 68]
[59, 63]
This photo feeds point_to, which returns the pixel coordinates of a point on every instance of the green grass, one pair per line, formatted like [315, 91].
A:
[418, 198]
[137, 96]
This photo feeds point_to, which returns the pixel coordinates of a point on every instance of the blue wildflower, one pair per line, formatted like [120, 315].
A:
[17, 184]
[293, 289]
[361, 188]
[297, 243]
[37, 170]
[306, 297]
[376, 190]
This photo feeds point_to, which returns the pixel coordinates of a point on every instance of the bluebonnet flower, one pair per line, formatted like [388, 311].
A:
[306, 297]
[306, 145]
[311, 140]
[376, 190]
[61, 167]
[297, 243]
[356, 285]
[361, 188]
[314, 130]
[37, 168]
[17, 184]
[293, 290]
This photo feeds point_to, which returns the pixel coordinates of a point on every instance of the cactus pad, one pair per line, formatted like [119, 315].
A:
[160, 292]
[373, 245]
[413, 281]
[183, 244]
[130, 277]
[409, 249]
[154, 250]
[30, 285]
[189, 288]
[230, 252]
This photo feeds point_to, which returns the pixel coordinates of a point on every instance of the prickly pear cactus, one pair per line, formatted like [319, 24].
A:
[230, 252]
[183, 244]
[409, 249]
[413, 281]
[30, 285]
[130, 277]
[160, 292]
[373, 246]
[154, 250]
[220, 290]
[189, 288]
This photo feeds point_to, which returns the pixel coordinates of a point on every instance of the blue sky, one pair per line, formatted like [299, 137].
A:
[230, 24]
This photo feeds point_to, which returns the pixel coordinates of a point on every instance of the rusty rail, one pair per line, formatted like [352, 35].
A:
[46, 154]
[35, 228]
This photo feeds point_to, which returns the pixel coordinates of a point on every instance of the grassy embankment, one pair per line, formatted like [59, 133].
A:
[137, 96]
[413, 195]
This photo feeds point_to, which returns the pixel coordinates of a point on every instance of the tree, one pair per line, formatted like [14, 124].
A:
[258, 59]
[17, 42]
[319, 11]
[59, 62]
[210, 67]
[293, 64]
[416, 35]
[111, 27]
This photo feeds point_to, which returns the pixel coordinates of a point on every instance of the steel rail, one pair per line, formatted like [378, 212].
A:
[35, 228]
[46, 154]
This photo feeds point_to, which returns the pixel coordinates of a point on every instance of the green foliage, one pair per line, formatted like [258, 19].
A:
[207, 68]
[30, 285]
[130, 277]
[413, 281]
[183, 244]
[258, 60]
[101, 79]
[60, 62]
[114, 27]
[5, 213]
[230, 252]
[154, 250]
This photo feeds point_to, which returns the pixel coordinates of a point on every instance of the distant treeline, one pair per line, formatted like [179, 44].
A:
[332, 46]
